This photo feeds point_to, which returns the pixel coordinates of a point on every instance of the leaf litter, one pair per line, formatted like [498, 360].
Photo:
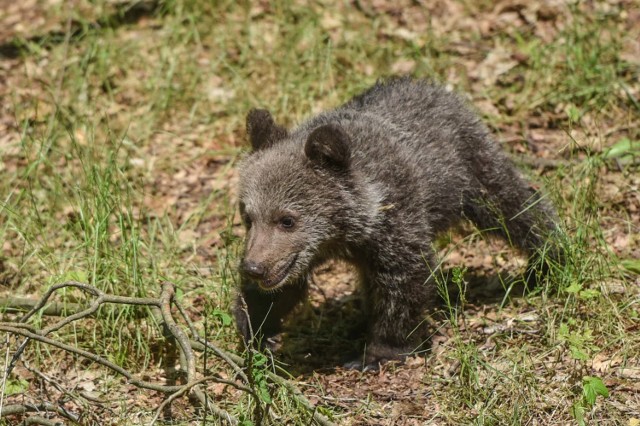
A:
[181, 167]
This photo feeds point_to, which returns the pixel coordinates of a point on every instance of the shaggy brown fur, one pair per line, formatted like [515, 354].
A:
[373, 182]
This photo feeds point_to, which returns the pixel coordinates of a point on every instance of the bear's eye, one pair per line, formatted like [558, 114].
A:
[244, 216]
[287, 222]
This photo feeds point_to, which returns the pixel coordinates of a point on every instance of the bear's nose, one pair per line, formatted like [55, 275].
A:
[253, 269]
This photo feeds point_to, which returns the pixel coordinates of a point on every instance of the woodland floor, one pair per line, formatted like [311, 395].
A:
[121, 124]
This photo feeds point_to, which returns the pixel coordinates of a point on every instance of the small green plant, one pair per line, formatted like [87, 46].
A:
[625, 148]
[631, 265]
[579, 340]
[591, 388]
[15, 386]
[259, 365]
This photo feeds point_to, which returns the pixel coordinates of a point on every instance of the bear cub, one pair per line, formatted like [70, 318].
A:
[373, 182]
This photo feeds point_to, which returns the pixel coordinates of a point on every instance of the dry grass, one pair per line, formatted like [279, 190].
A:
[120, 127]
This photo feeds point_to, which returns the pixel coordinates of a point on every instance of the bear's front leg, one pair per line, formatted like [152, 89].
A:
[259, 314]
[397, 299]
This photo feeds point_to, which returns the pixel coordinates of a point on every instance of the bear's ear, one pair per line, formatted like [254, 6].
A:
[262, 130]
[328, 146]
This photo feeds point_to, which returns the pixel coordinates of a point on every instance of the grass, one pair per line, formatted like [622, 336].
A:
[119, 144]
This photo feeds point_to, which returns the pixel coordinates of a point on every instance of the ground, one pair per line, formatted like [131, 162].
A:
[121, 124]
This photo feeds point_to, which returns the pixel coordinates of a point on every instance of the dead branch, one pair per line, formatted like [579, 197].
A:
[37, 420]
[168, 291]
[319, 418]
[91, 356]
[232, 360]
[164, 305]
[189, 387]
[162, 312]
[101, 299]
[201, 345]
[22, 304]
[8, 410]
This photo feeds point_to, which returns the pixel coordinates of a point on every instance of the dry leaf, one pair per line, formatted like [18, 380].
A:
[498, 62]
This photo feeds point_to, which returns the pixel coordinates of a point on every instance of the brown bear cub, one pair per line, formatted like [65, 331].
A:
[373, 182]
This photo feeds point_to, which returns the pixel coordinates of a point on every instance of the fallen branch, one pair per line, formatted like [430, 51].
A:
[91, 356]
[161, 309]
[22, 304]
[163, 303]
[319, 418]
[189, 387]
[14, 409]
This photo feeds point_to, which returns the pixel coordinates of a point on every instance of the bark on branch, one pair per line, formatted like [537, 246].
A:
[162, 309]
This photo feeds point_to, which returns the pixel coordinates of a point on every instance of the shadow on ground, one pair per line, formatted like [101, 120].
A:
[322, 338]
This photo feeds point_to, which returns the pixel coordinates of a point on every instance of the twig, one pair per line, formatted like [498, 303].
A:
[4, 376]
[19, 325]
[101, 299]
[37, 420]
[163, 315]
[234, 361]
[222, 414]
[208, 405]
[13, 409]
[168, 291]
[319, 418]
[93, 357]
[54, 309]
